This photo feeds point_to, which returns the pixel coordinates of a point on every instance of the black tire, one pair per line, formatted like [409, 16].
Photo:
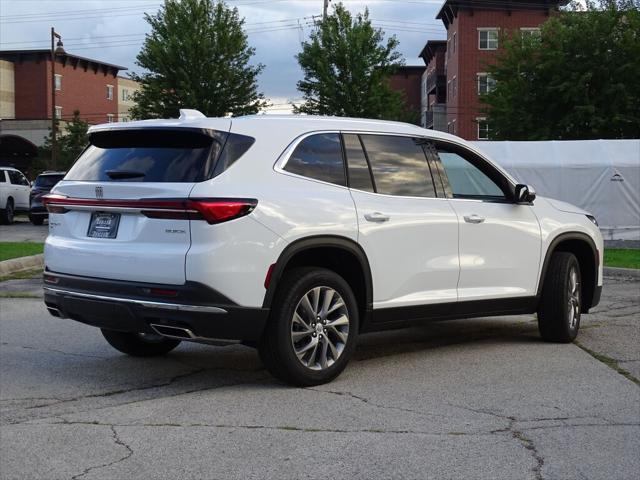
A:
[36, 219]
[139, 345]
[6, 215]
[559, 310]
[276, 345]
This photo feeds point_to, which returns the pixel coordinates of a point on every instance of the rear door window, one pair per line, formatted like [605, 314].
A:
[149, 156]
[17, 178]
[399, 166]
[359, 174]
[319, 157]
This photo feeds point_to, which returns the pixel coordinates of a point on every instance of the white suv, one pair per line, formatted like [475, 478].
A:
[295, 234]
[14, 194]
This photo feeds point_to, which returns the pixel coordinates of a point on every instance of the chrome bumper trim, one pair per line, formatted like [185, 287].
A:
[142, 303]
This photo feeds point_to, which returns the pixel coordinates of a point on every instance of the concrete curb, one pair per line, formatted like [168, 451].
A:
[7, 267]
[622, 272]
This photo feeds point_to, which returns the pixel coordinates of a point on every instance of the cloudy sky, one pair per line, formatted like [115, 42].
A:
[113, 30]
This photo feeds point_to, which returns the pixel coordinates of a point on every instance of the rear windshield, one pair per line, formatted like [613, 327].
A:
[47, 181]
[183, 156]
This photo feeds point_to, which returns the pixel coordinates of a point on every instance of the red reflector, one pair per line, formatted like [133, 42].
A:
[50, 279]
[267, 279]
[160, 292]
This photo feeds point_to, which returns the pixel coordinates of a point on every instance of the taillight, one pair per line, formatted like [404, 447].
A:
[221, 210]
[213, 210]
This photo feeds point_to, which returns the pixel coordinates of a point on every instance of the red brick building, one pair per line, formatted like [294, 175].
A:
[456, 74]
[83, 84]
[407, 79]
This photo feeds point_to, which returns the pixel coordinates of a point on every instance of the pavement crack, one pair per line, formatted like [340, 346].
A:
[120, 391]
[118, 441]
[368, 402]
[51, 350]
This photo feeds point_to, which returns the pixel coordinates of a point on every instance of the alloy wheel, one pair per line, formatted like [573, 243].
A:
[573, 307]
[320, 328]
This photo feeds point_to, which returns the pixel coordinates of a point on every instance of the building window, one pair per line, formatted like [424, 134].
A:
[123, 118]
[455, 86]
[488, 39]
[58, 112]
[483, 129]
[109, 92]
[110, 117]
[455, 42]
[485, 83]
[58, 81]
[125, 95]
[530, 32]
[453, 126]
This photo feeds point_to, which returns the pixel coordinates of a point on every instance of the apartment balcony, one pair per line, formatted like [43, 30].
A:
[436, 80]
[436, 117]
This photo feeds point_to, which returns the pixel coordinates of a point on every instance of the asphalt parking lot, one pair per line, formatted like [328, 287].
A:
[23, 230]
[472, 399]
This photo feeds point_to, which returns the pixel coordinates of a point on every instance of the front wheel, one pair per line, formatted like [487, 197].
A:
[140, 344]
[561, 301]
[313, 327]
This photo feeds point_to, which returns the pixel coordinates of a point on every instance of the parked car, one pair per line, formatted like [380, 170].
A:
[14, 194]
[296, 234]
[41, 186]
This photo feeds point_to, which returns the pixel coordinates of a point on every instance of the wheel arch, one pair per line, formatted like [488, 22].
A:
[339, 254]
[585, 250]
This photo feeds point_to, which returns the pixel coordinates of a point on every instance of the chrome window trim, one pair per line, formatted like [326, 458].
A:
[142, 303]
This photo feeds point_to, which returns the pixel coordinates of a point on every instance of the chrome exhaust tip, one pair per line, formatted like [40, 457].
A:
[181, 333]
[173, 332]
[55, 312]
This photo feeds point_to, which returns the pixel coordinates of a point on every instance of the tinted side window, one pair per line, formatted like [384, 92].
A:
[399, 166]
[235, 146]
[466, 179]
[359, 175]
[2, 177]
[319, 157]
[17, 178]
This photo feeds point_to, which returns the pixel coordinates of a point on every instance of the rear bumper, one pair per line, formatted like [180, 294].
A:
[131, 307]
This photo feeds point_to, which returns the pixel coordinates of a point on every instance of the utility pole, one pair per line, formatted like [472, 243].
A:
[324, 10]
[58, 50]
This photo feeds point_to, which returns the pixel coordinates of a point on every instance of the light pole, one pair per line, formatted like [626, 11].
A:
[58, 50]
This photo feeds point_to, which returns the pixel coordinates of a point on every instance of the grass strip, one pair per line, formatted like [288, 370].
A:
[9, 250]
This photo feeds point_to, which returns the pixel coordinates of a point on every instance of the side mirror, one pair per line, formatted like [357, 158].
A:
[524, 194]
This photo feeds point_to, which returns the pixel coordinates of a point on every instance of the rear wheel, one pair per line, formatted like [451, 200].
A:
[140, 344]
[36, 219]
[561, 302]
[313, 327]
[6, 215]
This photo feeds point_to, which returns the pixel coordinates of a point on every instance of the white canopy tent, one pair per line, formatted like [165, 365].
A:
[600, 176]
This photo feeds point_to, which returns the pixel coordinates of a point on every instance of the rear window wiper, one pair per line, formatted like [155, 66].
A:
[116, 174]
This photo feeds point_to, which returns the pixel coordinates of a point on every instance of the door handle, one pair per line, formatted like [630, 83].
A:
[473, 218]
[376, 217]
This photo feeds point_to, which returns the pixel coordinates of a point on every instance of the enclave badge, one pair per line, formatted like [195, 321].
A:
[99, 193]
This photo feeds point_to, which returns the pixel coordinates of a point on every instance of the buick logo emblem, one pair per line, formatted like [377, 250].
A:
[99, 193]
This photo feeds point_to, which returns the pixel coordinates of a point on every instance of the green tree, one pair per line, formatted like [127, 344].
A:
[196, 56]
[347, 66]
[578, 80]
[70, 142]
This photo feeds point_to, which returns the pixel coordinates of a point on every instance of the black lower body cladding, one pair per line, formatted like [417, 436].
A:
[133, 307]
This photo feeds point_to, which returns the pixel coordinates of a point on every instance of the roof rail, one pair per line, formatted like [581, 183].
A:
[190, 114]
